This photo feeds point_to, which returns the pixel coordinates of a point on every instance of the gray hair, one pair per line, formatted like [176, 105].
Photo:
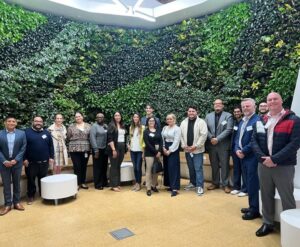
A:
[249, 99]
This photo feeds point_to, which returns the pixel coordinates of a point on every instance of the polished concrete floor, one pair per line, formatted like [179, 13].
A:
[213, 219]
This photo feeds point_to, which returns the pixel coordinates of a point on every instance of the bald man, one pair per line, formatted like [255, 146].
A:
[276, 139]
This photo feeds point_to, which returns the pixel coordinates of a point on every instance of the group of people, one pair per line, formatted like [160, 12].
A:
[263, 149]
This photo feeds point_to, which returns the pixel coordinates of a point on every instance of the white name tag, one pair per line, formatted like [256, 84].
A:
[44, 136]
[224, 122]
[235, 127]
[260, 127]
[249, 128]
[151, 135]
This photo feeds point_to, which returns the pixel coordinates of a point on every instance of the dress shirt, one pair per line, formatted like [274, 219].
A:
[10, 141]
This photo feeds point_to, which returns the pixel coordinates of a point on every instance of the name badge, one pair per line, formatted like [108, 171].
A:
[151, 135]
[235, 128]
[260, 127]
[249, 128]
[224, 122]
[44, 136]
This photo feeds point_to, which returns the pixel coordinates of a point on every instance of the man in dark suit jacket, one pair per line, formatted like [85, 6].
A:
[220, 124]
[243, 150]
[12, 149]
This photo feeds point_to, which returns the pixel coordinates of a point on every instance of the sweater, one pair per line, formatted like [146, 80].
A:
[39, 145]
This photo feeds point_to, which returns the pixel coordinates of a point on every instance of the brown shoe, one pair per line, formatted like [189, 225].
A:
[212, 187]
[227, 189]
[19, 206]
[5, 210]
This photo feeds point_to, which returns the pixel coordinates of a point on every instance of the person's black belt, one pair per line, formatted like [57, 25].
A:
[39, 161]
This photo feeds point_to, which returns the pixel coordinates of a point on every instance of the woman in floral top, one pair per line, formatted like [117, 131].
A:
[79, 147]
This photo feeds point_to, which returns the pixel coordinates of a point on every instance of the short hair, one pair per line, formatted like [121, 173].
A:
[150, 106]
[237, 107]
[249, 99]
[172, 115]
[193, 107]
[10, 116]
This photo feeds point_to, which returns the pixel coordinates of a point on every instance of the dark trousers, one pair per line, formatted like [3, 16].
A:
[172, 169]
[8, 175]
[79, 165]
[35, 170]
[252, 182]
[239, 174]
[115, 166]
[100, 169]
[136, 158]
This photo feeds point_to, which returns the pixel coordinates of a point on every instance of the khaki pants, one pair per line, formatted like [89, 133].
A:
[151, 179]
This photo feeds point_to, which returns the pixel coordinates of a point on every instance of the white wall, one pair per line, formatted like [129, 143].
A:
[296, 108]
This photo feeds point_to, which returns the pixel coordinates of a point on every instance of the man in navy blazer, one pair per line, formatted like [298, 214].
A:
[243, 150]
[12, 149]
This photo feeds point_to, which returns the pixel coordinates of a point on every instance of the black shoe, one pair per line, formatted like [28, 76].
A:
[245, 210]
[99, 188]
[264, 230]
[84, 186]
[148, 192]
[169, 189]
[154, 189]
[250, 216]
[174, 193]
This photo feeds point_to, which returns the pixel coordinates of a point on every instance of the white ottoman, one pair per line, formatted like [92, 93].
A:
[278, 204]
[290, 228]
[59, 186]
[127, 173]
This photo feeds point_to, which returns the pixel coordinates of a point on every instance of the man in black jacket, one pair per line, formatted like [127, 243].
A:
[275, 142]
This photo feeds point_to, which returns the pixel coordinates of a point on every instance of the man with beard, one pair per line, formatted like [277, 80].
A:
[263, 108]
[220, 124]
[38, 156]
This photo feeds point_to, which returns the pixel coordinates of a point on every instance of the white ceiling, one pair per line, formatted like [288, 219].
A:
[129, 13]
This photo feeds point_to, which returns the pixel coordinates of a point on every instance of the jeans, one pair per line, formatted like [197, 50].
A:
[136, 158]
[195, 165]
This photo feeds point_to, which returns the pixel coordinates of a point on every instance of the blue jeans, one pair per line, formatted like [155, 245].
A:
[136, 158]
[195, 165]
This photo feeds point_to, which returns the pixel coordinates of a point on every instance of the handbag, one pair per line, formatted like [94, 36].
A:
[157, 166]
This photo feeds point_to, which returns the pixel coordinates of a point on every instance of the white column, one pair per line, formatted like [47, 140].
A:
[296, 108]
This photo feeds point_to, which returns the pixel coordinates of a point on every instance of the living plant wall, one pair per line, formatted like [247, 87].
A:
[50, 64]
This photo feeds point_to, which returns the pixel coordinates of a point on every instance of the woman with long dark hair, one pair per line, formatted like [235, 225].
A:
[116, 141]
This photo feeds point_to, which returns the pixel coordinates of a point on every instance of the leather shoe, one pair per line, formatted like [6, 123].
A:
[212, 187]
[154, 189]
[148, 193]
[250, 216]
[264, 230]
[227, 189]
[19, 206]
[245, 210]
[5, 210]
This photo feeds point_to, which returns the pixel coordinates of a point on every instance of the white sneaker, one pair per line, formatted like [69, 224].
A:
[242, 194]
[189, 186]
[199, 191]
[234, 192]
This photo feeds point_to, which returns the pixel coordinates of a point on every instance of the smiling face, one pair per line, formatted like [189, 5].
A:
[192, 113]
[237, 113]
[263, 108]
[170, 120]
[151, 122]
[149, 110]
[248, 108]
[100, 118]
[274, 102]
[78, 118]
[218, 105]
[38, 123]
[10, 124]
[136, 119]
[117, 117]
[58, 119]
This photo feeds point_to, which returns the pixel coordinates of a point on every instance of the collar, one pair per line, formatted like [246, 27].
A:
[10, 132]
[278, 115]
[41, 130]
[245, 118]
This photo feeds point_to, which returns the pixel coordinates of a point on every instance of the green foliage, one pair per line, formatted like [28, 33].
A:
[14, 22]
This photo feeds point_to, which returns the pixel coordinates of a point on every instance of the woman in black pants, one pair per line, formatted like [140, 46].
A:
[116, 141]
[79, 147]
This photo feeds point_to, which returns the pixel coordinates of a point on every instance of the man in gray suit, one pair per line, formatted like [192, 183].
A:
[12, 149]
[220, 125]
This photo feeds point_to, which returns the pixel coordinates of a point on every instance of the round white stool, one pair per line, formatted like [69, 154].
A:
[127, 173]
[59, 186]
[290, 228]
